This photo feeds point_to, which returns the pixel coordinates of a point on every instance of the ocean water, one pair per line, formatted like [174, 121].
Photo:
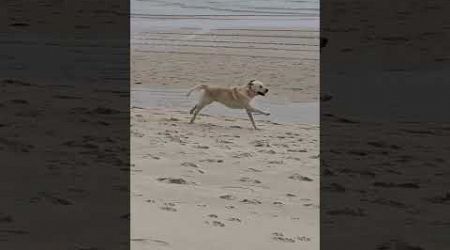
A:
[206, 14]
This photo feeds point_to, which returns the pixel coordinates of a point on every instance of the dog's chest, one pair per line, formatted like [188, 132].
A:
[233, 105]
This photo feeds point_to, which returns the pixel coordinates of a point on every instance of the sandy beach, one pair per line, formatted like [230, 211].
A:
[218, 184]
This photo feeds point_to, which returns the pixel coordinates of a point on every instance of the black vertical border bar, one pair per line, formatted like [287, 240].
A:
[385, 125]
[64, 126]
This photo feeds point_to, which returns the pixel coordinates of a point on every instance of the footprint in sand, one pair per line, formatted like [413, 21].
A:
[272, 152]
[280, 237]
[243, 155]
[249, 180]
[212, 160]
[151, 156]
[193, 165]
[174, 181]
[303, 238]
[253, 170]
[215, 223]
[137, 134]
[251, 201]
[294, 158]
[234, 219]
[222, 141]
[169, 206]
[281, 145]
[189, 164]
[260, 143]
[218, 223]
[198, 171]
[297, 150]
[227, 197]
[300, 177]
[276, 162]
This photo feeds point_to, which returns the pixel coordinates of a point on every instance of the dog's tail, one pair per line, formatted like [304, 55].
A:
[198, 87]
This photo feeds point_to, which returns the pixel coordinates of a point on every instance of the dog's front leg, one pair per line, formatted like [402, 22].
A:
[249, 113]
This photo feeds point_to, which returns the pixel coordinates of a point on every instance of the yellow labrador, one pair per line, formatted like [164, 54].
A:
[235, 98]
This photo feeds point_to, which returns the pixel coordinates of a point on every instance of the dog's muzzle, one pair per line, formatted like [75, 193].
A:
[263, 93]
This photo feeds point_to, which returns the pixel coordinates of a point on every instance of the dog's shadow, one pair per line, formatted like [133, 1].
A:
[226, 119]
[209, 125]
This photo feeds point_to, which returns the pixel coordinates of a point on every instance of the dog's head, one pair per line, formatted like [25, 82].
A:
[257, 87]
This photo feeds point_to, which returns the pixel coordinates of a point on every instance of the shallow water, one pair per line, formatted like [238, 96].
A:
[148, 15]
[304, 113]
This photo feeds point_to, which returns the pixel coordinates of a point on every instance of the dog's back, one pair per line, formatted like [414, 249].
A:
[198, 87]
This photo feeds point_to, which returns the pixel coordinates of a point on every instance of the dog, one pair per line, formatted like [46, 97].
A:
[235, 98]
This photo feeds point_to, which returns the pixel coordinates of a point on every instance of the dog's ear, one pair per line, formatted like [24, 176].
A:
[250, 83]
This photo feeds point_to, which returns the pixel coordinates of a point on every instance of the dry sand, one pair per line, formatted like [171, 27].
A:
[218, 184]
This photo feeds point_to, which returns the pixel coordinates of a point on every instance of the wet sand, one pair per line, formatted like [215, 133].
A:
[287, 61]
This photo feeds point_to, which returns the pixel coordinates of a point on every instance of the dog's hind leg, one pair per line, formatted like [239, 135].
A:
[196, 111]
[197, 108]
[249, 113]
[193, 109]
